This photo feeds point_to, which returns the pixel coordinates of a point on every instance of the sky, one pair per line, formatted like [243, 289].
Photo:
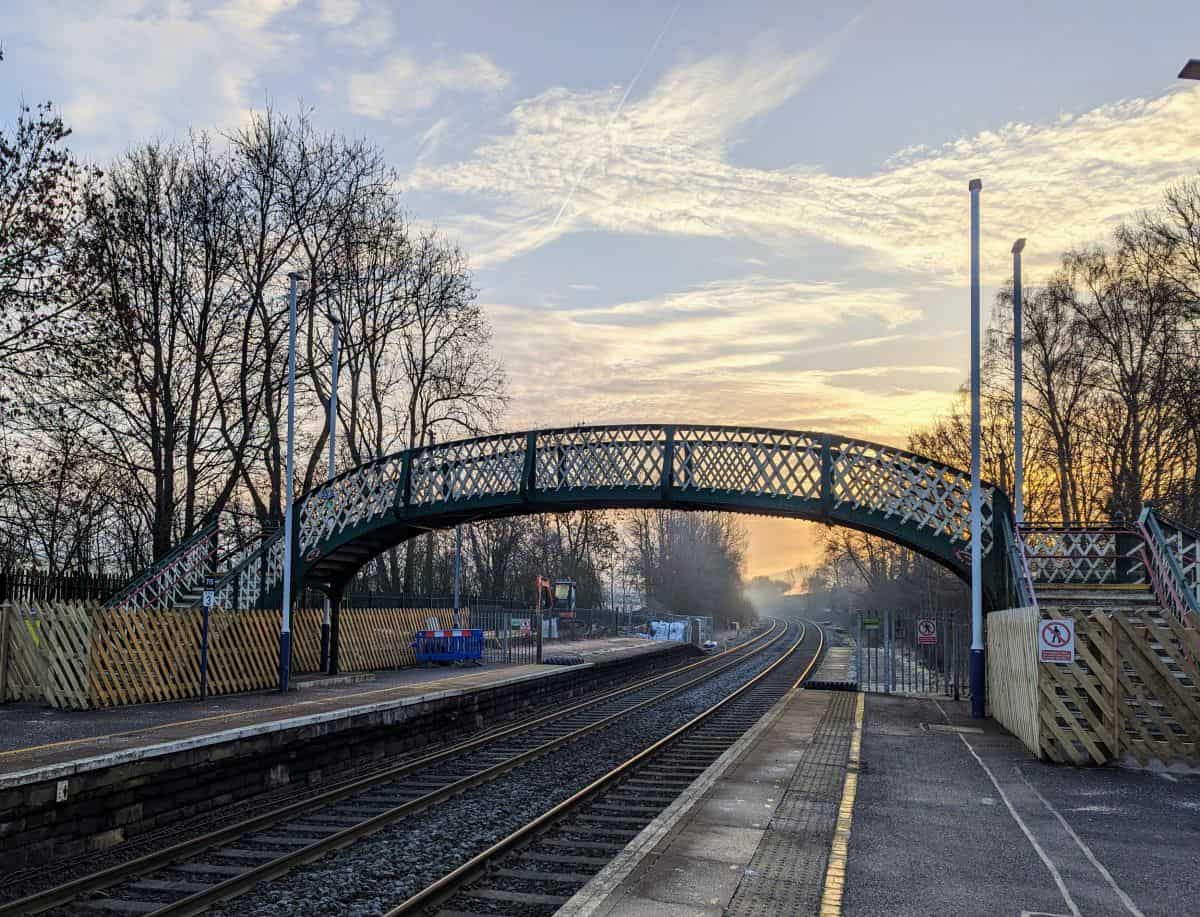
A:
[686, 211]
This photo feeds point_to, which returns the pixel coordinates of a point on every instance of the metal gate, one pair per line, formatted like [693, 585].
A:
[899, 652]
[508, 634]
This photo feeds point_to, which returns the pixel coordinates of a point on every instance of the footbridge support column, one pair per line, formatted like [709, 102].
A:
[335, 620]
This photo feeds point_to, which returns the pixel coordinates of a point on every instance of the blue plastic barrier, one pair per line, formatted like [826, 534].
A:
[458, 645]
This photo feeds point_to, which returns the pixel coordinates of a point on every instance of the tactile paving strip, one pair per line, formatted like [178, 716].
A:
[787, 873]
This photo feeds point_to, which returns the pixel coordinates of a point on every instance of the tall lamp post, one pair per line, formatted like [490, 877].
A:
[1018, 397]
[285, 624]
[978, 680]
[335, 354]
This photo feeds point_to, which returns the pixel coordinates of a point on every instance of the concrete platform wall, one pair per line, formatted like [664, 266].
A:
[106, 806]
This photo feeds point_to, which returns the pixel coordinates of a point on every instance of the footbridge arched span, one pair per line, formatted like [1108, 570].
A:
[913, 500]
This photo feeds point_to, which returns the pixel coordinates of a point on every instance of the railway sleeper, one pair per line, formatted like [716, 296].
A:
[119, 906]
[499, 894]
[565, 858]
[532, 875]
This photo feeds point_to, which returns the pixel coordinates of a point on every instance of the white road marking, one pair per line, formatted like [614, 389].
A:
[1087, 851]
[1045, 857]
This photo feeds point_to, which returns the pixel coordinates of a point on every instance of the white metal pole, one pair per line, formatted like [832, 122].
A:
[333, 396]
[1018, 382]
[977, 661]
[335, 354]
[285, 626]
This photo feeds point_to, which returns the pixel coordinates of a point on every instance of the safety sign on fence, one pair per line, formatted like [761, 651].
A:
[1056, 640]
[926, 632]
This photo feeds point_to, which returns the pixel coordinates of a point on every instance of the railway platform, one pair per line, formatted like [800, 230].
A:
[75, 781]
[862, 804]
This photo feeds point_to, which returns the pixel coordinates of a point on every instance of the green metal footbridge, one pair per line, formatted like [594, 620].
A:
[915, 501]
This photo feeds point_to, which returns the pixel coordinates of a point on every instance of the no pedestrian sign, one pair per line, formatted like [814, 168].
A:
[1056, 641]
[926, 632]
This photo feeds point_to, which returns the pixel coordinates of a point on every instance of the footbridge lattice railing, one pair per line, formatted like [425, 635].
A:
[810, 475]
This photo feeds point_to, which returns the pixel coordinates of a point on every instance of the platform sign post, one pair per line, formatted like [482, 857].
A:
[210, 599]
[1056, 641]
[858, 653]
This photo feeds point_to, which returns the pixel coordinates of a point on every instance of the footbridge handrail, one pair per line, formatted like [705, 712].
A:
[1170, 557]
[920, 502]
[170, 579]
[772, 467]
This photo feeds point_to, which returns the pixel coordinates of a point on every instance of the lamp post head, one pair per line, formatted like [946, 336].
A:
[975, 184]
[1018, 246]
[1191, 70]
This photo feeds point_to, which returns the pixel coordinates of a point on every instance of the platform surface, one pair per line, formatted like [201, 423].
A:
[950, 816]
[36, 738]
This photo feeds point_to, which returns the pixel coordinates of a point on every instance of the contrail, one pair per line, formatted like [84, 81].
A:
[620, 105]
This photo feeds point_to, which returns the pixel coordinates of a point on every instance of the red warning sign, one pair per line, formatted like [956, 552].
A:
[927, 631]
[1056, 641]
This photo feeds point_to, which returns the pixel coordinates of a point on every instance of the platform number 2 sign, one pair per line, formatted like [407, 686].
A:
[1056, 641]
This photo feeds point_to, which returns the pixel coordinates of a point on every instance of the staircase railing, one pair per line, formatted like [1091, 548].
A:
[1166, 554]
[178, 573]
[1083, 555]
[255, 573]
[1018, 564]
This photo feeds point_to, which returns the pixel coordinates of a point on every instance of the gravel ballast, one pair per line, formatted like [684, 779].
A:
[378, 872]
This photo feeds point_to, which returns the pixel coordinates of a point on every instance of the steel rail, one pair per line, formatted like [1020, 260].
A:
[255, 876]
[115, 875]
[445, 887]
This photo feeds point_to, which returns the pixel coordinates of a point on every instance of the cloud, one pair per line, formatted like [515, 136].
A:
[757, 304]
[401, 84]
[663, 167]
[338, 12]
[720, 352]
[135, 63]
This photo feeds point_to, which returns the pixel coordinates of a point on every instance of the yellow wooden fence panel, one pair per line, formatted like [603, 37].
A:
[1012, 676]
[77, 656]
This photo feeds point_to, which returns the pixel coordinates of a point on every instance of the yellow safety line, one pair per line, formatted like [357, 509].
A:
[835, 872]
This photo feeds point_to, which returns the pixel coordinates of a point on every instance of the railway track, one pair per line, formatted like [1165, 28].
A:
[192, 876]
[537, 868]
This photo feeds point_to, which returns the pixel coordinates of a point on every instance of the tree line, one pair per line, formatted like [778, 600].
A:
[1111, 372]
[144, 340]
[145, 332]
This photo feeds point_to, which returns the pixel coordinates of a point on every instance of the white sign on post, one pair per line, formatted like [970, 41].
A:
[1056, 641]
[210, 592]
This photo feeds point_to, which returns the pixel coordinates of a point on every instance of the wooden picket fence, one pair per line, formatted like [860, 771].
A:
[76, 655]
[1133, 691]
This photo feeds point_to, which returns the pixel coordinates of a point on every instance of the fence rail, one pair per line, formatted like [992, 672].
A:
[38, 586]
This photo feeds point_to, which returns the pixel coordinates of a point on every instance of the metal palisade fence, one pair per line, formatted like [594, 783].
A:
[901, 652]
